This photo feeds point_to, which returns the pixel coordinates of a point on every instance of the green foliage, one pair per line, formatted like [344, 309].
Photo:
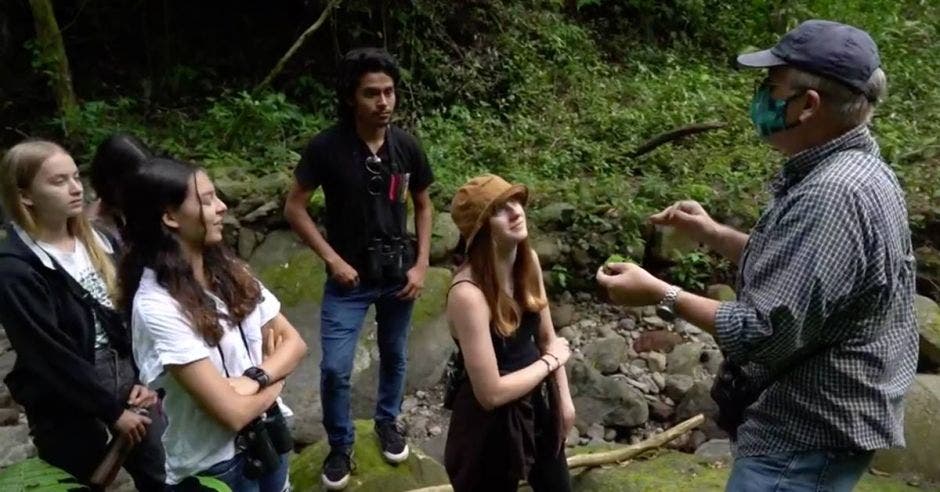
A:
[258, 133]
[693, 271]
[35, 475]
[557, 94]
[209, 483]
[559, 276]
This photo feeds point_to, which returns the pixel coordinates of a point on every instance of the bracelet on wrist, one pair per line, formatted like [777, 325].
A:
[547, 364]
[557, 362]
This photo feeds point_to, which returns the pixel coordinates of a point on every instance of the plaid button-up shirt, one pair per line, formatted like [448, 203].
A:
[827, 275]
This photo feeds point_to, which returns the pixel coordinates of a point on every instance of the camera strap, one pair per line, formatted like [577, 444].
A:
[247, 351]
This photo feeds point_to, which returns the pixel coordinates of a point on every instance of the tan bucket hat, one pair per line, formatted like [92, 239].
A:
[474, 202]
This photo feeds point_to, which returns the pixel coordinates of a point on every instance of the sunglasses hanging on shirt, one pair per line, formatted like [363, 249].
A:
[397, 182]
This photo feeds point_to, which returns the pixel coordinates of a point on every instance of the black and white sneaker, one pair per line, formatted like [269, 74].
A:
[394, 447]
[336, 469]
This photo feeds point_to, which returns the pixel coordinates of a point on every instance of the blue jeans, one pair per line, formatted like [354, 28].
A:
[340, 323]
[809, 471]
[231, 472]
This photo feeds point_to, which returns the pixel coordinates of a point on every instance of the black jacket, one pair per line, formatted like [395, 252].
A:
[53, 334]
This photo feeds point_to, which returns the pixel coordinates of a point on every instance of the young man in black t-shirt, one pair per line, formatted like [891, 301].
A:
[367, 167]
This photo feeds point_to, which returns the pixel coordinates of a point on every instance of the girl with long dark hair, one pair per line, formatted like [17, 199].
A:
[513, 410]
[117, 159]
[205, 330]
[73, 373]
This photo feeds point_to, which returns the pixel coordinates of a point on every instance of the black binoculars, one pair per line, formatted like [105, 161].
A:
[388, 259]
[264, 440]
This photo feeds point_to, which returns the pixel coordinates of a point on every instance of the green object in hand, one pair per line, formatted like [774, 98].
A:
[614, 258]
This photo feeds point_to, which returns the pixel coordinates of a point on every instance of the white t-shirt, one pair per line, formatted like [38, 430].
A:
[79, 266]
[163, 335]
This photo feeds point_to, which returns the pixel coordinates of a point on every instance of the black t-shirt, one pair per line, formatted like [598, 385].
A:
[360, 203]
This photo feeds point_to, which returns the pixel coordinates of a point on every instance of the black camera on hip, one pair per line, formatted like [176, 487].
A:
[733, 391]
[388, 259]
[264, 440]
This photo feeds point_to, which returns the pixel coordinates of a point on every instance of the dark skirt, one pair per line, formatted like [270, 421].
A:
[494, 450]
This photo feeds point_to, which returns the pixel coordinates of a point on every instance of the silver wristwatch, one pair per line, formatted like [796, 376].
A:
[666, 309]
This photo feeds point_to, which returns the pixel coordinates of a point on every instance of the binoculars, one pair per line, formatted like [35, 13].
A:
[388, 259]
[264, 440]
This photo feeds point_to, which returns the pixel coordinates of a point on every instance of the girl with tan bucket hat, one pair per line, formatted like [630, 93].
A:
[507, 385]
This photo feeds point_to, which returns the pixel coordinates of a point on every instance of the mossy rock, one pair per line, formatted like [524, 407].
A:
[237, 185]
[721, 293]
[295, 274]
[433, 300]
[672, 471]
[429, 343]
[372, 473]
[289, 269]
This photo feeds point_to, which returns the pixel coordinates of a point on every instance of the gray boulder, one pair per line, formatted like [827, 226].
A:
[609, 400]
[563, 314]
[678, 385]
[928, 323]
[444, 237]
[714, 451]
[921, 431]
[15, 445]
[549, 248]
[698, 400]
[928, 270]
[557, 216]
[656, 361]
[606, 353]
[685, 358]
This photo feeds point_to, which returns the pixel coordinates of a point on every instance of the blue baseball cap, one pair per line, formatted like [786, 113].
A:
[837, 51]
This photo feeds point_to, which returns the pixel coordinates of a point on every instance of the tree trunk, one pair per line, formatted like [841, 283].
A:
[297, 44]
[52, 56]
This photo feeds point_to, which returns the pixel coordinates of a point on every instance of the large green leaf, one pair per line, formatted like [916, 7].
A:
[35, 475]
[213, 484]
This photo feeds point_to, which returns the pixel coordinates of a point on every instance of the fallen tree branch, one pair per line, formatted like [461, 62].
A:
[674, 134]
[614, 456]
[618, 455]
[297, 44]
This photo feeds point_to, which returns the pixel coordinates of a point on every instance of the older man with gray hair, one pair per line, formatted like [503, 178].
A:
[821, 344]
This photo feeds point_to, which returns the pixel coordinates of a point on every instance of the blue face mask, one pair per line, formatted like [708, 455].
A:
[768, 114]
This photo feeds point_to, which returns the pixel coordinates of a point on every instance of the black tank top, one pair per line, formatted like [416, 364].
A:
[517, 350]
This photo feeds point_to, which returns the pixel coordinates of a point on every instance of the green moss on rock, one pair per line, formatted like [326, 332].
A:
[372, 473]
[679, 472]
[289, 269]
[433, 300]
[299, 279]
